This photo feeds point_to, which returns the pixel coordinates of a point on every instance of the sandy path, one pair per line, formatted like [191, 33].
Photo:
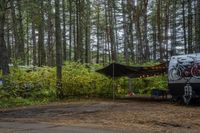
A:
[128, 116]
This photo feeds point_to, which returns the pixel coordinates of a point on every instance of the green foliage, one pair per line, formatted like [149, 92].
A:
[81, 80]
[13, 102]
[145, 85]
[78, 80]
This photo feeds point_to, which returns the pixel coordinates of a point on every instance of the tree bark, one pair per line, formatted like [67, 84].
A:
[41, 47]
[115, 28]
[34, 43]
[159, 36]
[64, 32]
[27, 42]
[87, 32]
[8, 39]
[98, 33]
[184, 27]
[173, 47]
[145, 40]
[15, 30]
[58, 49]
[111, 31]
[154, 40]
[50, 44]
[70, 30]
[167, 29]
[190, 47]
[4, 59]
[130, 10]
[107, 31]
[125, 30]
[139, 48]
[21, 47]
[198, 26]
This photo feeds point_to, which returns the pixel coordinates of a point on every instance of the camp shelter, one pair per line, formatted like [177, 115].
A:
[118, 70]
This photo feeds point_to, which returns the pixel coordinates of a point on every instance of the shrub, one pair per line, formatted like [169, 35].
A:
[78, 80]
[35, 83]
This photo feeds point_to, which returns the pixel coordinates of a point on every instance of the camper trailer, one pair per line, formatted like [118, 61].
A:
[184, 78]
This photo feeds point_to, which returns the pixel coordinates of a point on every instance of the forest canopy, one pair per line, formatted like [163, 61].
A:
[97, 31]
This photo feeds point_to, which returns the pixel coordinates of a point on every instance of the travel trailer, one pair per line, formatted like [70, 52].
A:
[184, 78]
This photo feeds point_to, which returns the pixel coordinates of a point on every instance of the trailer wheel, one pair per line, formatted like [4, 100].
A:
[195, 72]
[175, 74]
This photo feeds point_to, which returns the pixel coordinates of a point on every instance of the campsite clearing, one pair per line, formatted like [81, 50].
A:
[123, 115]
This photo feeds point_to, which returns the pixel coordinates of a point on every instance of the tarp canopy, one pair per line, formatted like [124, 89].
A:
[119, 70]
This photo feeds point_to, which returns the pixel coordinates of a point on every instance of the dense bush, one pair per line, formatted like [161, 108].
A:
[82, 80]
[35, 83]
[145, 85]
[77, 81]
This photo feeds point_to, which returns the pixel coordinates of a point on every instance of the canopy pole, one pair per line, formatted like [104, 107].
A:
[113, 82]
[129, 85]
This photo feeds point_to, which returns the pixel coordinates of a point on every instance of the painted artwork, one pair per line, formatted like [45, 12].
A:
[184, 67]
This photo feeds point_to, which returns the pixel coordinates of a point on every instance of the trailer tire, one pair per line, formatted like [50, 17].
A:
[195, 72]
[175, 74]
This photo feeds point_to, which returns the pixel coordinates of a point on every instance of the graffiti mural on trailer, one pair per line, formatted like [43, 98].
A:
[184, 68]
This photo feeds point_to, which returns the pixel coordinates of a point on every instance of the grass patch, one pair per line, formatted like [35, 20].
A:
[16, 102]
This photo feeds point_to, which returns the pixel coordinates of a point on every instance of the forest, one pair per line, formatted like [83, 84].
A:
[65, 41]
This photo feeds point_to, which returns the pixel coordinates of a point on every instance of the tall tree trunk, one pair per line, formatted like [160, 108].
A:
[34, 43]
[58, 49]
[8, 39]
[98, 33]
[139, 48]
[79, 27]
[130, 29]
[78, 31]
[166, 28]
[21, 47]
[18, 30]
[107, 31]
[159, 29]
[78, 42]
[64, 32]
[15, 29]
[190, 47]
[70, 30]
[50, 45]
[125, 30]
[184, 27]
[173, 47]
[198, 26]
[4, 59]
[111, 31]
[115, 28]
[145, 40]
[27, 41]
[75, 30]
[154, 40]
[87, 32]
[41, 48]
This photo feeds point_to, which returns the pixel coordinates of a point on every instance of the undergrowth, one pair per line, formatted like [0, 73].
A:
[27, 86]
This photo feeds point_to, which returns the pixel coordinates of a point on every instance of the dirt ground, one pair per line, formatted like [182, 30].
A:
[125, 115]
